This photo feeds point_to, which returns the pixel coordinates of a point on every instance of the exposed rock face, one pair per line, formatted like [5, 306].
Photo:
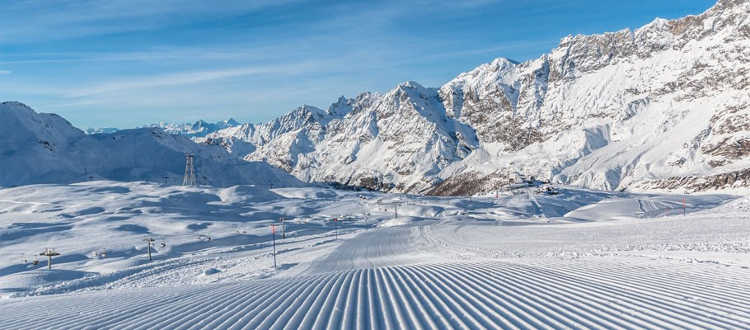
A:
[610, 111]
[735, 179]
[472, 183]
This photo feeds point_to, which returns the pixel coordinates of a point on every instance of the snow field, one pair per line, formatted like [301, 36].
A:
[579, 259]
[451, 295]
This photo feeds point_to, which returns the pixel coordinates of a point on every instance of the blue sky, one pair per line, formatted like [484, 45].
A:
[125, 63]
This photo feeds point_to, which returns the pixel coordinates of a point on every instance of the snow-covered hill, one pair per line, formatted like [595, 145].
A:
[662, 107]
[45, 148]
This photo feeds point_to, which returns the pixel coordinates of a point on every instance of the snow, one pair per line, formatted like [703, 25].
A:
[581, 258]
[45, 148]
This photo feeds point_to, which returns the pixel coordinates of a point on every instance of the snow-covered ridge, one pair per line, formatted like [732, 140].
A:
[610, 111]
[45, 148]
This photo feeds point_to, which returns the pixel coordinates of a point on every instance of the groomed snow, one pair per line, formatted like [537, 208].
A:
[580, 259]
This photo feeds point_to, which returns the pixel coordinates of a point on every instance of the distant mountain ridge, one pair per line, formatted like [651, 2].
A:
[196, 129]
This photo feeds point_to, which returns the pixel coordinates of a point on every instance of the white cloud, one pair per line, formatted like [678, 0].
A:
[193, 77]
[154, 54]
[23, 21]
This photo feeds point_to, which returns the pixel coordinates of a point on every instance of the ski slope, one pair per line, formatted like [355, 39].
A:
[580, 259]
[452, 295]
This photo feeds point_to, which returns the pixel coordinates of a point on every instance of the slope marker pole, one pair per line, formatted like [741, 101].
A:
[273, 237]
[149, 241]
[49, 253]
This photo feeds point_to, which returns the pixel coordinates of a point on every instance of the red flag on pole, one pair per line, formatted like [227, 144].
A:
[273, 229]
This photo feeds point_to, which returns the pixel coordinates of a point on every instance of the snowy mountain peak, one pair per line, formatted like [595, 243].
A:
[24, 114]
[410, 91]
[302, 116]
[409, 86]
[14, 106]
[20, 124]
[658, 24]
[199, 125]
[341, 107]
[665, 98]
[501, 64]
[309, 110]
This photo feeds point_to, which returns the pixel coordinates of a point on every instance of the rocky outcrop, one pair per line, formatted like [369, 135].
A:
[729, 180]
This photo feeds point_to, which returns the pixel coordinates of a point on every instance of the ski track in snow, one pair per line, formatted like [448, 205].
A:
[444, 295]
[445, 263]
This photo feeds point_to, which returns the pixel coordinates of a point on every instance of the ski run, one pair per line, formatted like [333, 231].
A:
[518, 260]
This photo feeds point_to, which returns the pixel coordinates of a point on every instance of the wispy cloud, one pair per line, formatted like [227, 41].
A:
[3, 72]
[158, 54]
[20, 21]
[217, 52]
[194, 77]
[465, 4]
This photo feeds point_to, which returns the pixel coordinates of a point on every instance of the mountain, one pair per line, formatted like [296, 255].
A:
[45, 148]
[103, 130]
[623, 110]
[397, 141]
[199, 128]
[662, 107]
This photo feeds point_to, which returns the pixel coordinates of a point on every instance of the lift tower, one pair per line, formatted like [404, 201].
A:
[189, 178]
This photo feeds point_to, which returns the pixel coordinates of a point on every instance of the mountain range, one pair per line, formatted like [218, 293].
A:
[195, 129]
[665, 106]
[662, 107]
